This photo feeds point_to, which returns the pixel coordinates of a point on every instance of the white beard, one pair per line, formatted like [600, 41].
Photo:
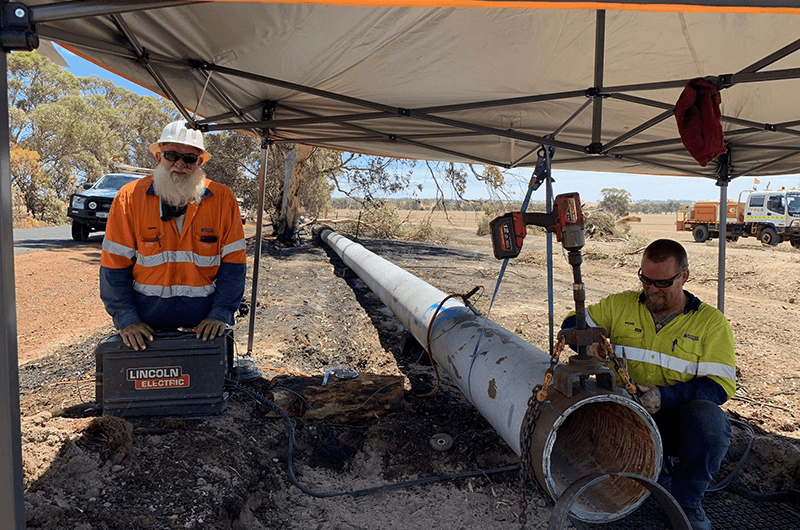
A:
[177, 190]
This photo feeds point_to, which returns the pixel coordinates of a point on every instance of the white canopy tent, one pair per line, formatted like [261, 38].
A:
[485, 82]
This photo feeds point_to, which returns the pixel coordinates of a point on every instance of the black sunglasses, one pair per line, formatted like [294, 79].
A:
[660, 284]
[173, 156]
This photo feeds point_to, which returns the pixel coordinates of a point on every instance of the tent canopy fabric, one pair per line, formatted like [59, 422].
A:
[479, 82]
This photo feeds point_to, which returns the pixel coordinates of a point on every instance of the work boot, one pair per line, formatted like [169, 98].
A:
[697, 518]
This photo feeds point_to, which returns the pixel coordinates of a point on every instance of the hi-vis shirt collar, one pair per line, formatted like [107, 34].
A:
[692, 302]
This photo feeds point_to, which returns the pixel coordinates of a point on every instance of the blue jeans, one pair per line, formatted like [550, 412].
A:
[699, 434]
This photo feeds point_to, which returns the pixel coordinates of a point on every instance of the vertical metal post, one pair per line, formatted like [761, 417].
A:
[548, 188]
[599, 65]
[722, 182]
[12, 509]
[262, 187]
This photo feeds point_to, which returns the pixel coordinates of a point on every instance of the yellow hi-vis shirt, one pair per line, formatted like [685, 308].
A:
[696, 343]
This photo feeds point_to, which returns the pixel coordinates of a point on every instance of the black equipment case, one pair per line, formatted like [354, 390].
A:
[177, 375]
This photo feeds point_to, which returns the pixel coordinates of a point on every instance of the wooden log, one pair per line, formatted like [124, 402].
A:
[365, 397]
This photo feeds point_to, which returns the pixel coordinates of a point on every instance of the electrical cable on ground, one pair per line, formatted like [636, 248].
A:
[290, 424]
[740, 465]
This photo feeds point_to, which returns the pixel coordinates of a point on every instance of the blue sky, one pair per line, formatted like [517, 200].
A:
[588, 184]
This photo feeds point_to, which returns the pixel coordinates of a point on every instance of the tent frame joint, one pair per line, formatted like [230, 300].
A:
[17, 31]
[198, 64]
[595, 92]
[594, 148]
[724, 169]
[724, 81]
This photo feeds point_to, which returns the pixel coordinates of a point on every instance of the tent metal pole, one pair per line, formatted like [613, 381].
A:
[657, 164]
[322, 142]
[144, 59]
[94, 8]
[504, 102]
[548, 187]
[554, 133]
[296, 122]
[722, 182]
[262, 186]
[754, 169]
[772, 58]
[12, 509]
[599, 60]
[636, 130]
[236, 113]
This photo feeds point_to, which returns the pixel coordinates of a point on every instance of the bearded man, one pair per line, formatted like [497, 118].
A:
[680, 353]
[174, 253]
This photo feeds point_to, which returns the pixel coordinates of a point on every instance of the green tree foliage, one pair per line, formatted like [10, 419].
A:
[615, 201]
[490, 211]
[657, 206]
[235, 162]
[383, 221]
[34, 80]
[370, 178]
[77, 127]
[33, 186]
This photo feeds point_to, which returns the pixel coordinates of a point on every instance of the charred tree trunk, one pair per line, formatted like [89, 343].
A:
[290, 207]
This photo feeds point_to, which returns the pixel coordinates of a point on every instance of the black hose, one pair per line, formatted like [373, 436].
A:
[782, 496]
[290, 424]
[742, 460]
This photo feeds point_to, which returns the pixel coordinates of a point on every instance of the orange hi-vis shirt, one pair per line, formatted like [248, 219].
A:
[170, 272]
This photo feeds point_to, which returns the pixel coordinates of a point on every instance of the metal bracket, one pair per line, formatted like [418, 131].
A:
[16, 30]
[725, 81]
[724, 167]
[566, 376]
[542, 170]
[595, 148]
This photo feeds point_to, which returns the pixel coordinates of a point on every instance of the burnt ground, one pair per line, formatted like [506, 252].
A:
[84, 471]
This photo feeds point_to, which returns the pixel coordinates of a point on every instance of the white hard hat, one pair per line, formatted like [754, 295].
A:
[177, 133]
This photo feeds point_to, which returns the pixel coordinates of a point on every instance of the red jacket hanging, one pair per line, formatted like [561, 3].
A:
[699, 120]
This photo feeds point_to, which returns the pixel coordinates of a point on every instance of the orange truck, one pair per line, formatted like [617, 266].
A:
[771, 216]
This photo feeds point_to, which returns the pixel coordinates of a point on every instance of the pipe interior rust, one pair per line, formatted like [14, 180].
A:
[604, 433]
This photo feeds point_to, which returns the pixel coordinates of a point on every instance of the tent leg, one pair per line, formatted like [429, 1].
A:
[548, 187]
[12, 509]
[722, 182]
[262, 186]
[596, 146]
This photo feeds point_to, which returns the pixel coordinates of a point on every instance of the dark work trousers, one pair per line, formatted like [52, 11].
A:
[699, 434]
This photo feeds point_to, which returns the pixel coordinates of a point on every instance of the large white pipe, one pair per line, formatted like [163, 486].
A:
[593, 431]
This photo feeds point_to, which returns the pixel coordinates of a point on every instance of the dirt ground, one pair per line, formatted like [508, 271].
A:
[89, 472]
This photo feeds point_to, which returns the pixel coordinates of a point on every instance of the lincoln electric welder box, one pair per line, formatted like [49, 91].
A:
[177, 375]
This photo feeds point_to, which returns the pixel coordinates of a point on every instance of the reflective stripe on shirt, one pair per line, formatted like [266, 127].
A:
[234, 247]
[177, 256]
[117, 249]
[676, 364]
[170, 291]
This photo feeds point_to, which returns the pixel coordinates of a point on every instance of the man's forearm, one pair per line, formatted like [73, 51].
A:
[229, 290]
[699, 388]
[116, 292]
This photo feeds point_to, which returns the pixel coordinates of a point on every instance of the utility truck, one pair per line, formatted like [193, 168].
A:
[771, 216]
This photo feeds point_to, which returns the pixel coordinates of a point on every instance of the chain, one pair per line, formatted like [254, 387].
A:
[538, 396]
[620, 367]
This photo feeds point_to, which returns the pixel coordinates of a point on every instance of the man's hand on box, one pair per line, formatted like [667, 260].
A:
[135, 335]
[210, 328]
